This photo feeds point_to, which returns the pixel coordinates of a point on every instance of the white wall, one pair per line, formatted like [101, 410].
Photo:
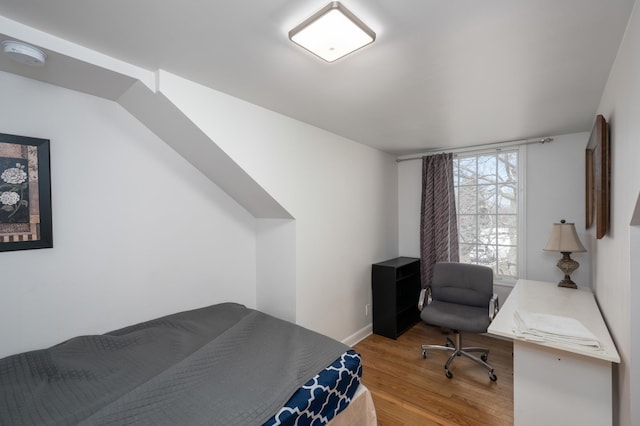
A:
[343, 196]
[138, 232]
[634, 370]
[276, 267]
[620, 105]
[554, 191]
[409, 201]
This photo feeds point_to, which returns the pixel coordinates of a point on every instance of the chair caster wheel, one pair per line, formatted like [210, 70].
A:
[492, 376]
[448, 374]
[484, 356]
[424, 354]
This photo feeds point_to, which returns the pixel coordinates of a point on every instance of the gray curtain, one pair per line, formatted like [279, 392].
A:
[438, 224]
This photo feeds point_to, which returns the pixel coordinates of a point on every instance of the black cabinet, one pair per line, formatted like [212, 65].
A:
[395, 285]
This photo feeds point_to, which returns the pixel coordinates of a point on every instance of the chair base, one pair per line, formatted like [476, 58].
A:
[456, 349]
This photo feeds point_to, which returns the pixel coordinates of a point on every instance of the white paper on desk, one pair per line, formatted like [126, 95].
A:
[553, 328]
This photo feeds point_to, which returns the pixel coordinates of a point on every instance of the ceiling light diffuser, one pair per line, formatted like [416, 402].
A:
[332, 32]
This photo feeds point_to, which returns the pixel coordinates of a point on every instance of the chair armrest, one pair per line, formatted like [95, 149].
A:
[425, 294]
[494, 306]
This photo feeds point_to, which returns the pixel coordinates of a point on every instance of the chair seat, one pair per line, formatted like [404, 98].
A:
[457, 317]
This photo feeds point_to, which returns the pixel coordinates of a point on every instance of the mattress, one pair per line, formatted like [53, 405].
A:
[220, 365]
[360, 412]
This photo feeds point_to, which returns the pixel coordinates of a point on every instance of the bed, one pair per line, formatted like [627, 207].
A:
[224, 364]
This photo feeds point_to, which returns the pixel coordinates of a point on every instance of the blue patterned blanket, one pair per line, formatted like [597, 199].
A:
[324, 396]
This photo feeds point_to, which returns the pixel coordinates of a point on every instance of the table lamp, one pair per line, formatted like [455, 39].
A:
[565, 240]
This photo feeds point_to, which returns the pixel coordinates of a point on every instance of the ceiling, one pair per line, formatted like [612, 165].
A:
[440, 74]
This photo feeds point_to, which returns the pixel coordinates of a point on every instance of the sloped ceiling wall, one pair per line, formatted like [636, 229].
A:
[167, 121]
[75, 67]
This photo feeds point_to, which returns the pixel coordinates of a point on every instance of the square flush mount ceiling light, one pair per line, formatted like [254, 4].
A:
[332, 32]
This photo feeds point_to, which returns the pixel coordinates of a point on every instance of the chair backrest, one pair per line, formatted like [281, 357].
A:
[462, 283]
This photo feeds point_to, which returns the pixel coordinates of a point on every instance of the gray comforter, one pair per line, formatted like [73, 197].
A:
[220, 365]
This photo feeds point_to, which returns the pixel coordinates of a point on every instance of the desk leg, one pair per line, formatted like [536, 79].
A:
[554, 387]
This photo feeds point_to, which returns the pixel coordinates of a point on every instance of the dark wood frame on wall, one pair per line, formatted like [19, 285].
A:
[25, 193]
[598, 175]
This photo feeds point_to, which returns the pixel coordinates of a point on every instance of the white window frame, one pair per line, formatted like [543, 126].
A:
[521, 184]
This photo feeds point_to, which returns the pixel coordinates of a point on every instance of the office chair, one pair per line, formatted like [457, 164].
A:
[460, 298]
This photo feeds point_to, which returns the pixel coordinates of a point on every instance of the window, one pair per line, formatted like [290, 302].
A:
[488, 204]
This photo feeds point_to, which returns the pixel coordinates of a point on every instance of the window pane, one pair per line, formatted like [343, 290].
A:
[456, 180]
[508, 230]
[466, 252]
[507, 199]
[508, 167]
[486, 169]
[507, 262]
[467, 173]
[485, 255]
[467, 200]
[467, 231]
[486, 199]
[487, 229]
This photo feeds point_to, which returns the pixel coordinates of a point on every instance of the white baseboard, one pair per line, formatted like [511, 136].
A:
[358, 335]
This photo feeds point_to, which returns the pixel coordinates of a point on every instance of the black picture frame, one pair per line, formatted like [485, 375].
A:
[25, 193]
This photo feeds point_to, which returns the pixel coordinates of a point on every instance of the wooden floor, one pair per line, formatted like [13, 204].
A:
[410, 390]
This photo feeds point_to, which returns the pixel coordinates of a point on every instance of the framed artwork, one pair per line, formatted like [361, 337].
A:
[598, 174]
[25, 193]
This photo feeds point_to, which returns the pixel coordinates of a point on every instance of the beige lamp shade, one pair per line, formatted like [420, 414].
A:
[564, 239]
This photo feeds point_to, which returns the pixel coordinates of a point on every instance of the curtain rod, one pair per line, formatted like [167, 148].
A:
[475, 148]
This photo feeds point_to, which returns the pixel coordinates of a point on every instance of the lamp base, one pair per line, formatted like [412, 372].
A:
[567, 265]
[567, 283]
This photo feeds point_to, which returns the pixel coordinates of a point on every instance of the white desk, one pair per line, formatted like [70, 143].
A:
[553, 383]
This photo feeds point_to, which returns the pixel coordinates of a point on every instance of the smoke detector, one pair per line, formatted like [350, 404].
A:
[24, 53]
